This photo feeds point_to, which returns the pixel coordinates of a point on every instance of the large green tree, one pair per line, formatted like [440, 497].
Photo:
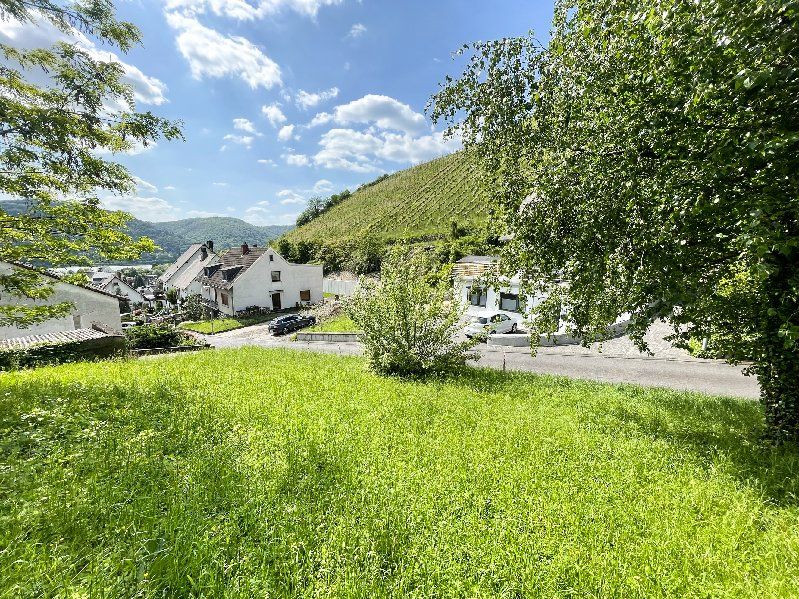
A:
[53, 136]
[649, 155]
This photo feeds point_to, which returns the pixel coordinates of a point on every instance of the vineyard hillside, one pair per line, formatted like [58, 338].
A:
[418, 202]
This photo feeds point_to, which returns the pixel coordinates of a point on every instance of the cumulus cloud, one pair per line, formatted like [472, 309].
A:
[288, 196]
[273, 114]
[383, 111]
[286, 133]
[242, 140]
[245, 125]
[357, 30]
[144, 186]
[212, 54]
[201, 214]
[296, 159]
[246, 11]
[263, 214]
[307, 100]
[365, 152]
[323, 186]
[145, 208]
[42, 33]
[267, 162]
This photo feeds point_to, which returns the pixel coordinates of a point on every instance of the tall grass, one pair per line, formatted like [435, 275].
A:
[273, 473]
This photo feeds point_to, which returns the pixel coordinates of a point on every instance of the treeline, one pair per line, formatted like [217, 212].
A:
[363, 255]
[318, 206]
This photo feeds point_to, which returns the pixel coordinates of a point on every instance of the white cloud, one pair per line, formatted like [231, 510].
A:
[246, 11]
[201, 214]
[169, 188]
[267, 162]
[242, 140]
[273, 113]
[307, 100]
[144, 186]
[296, 159]
[288, 197]
[357, 30]
[323, 186]
[211, 54]
[42, 33]
[383, 111]
[286, 133]
[245, 125]
[144, 208]
[219, 184]
[364, 152]
[263, 214]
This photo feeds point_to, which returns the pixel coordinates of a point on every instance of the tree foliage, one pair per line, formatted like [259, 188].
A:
[409, 325]
[649, 155]
[52, 137]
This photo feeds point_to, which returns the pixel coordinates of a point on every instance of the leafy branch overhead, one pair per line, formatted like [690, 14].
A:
[648, 156]
[53, 139]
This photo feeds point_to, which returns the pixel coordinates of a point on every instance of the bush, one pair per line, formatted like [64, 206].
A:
[47, 354]
[192, 307]
[409, 327]
[154, 336]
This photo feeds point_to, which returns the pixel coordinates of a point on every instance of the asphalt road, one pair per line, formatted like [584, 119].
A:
[673, 370]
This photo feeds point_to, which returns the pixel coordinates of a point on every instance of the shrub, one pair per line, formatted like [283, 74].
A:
[192, 307]
[409, 327]
[154, 336]
[46, 354]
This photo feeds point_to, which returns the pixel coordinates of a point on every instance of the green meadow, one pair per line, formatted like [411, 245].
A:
[271, 473]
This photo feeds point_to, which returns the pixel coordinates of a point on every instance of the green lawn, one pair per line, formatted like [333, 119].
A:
[338, 324]
[255, 473]
[220, 325]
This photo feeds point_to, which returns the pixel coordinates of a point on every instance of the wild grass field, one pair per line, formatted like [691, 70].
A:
[419, 201]
[340, 323]
[270, 473]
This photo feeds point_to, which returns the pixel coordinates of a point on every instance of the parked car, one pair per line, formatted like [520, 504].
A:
[291, 322]
[490, 324]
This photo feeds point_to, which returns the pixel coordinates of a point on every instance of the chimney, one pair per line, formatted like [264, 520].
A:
[245, 249]
[203, 253]
[210, 245]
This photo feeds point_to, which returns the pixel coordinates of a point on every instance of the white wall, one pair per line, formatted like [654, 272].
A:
[90, 307]
[126, 290]
[255, 287]
[194, 258]
[462, 292]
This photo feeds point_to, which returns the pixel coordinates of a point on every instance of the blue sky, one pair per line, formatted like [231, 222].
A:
[285, 99]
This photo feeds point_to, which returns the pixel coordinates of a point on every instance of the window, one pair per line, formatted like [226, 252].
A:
[275, 276]
[509, 301]
[271, 257]
[305, 296]
[477, 296]
[224, 299]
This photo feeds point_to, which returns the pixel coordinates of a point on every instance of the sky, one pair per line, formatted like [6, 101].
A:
[283, 100]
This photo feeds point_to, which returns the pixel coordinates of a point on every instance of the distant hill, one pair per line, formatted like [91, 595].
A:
[173, 237]
[421, 201]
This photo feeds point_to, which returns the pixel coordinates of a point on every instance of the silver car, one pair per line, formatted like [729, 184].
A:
[490, 324]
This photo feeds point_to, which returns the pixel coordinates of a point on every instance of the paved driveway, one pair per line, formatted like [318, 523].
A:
[617, 361]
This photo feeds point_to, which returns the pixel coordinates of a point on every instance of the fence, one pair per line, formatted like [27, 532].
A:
[337, 287]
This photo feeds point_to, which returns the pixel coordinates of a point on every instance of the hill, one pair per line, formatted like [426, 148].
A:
[173, 237]
[421, 201]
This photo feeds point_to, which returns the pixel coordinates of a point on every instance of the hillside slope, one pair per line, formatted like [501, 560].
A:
[418, 202]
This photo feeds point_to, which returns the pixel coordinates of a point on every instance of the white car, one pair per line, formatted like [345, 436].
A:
[490, 324]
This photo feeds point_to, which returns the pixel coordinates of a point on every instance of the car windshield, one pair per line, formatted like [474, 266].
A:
[481, 320]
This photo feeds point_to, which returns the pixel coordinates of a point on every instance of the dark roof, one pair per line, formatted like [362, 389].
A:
[45, 273]
[232, 262]
[478, 260]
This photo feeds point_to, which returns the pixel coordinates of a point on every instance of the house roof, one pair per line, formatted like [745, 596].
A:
[231, 259]
[182, 259]
[184, 279]
[50, 275]
[478, 260]
[58, 338]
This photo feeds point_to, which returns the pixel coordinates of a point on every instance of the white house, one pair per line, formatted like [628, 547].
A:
[107, 281]
[244, 277]
[183, 273]
[91, 306]
[472, 288]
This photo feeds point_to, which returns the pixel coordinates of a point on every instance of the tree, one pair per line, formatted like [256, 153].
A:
[649, 155]
[192, 307]
[172, 296]
[51, 139]
[409, 326]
